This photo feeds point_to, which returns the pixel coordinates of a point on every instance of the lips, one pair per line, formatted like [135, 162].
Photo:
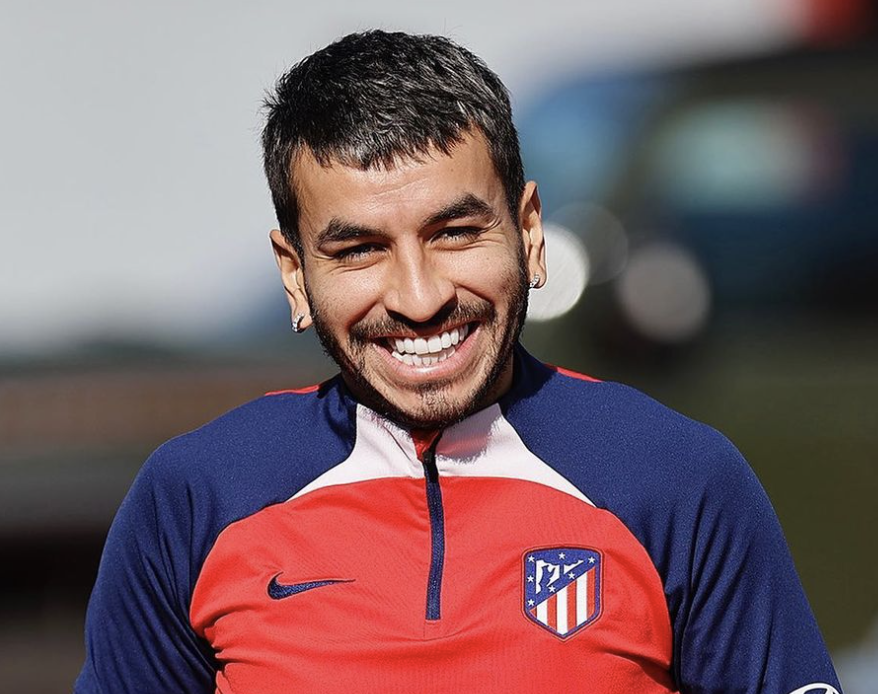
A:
[428, 350]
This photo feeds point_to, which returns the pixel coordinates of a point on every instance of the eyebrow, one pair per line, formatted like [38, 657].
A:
[467, 205]
[339, 230]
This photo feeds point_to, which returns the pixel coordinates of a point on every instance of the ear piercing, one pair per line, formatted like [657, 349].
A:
[534, 282]
[297, 319]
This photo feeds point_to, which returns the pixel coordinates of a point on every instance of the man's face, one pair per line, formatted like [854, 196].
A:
[415, 278]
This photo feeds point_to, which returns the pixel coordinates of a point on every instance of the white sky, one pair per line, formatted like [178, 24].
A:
[131, 193]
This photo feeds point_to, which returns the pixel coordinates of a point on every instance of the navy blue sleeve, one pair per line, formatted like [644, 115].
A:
[138, 633]
[743, 623]
[740, 619]
[138, 637]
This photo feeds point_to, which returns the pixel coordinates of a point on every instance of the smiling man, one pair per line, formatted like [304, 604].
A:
[448, 513]
[416, 276]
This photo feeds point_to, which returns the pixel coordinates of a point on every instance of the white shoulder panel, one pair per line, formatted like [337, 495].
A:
[483, 445]
[382, 449]
[486, 445]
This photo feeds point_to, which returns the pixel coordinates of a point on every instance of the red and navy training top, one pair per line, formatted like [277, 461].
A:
[574, 536]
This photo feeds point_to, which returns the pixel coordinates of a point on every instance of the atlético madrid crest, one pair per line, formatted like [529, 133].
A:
[562, 588]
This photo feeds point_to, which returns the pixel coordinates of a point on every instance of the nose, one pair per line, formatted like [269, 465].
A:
[417, 289]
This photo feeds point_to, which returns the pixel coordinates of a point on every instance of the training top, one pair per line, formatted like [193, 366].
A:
[575, 536]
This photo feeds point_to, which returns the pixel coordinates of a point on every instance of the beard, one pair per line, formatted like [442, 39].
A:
[437, 409]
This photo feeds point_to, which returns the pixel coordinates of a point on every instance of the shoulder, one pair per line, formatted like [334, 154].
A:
[253, 456]
[278, 433]
[674, 482]
[256, 455]
[616, 441]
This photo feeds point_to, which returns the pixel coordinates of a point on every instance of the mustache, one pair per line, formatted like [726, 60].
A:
[482, 311]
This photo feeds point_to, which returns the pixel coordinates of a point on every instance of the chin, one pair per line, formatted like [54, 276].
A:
[432, 408]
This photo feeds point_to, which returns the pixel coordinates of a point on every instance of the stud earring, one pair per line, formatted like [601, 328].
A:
[297, 319]
[534, 282]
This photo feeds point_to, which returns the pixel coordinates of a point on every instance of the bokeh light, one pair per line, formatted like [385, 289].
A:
[664, 293]
[568, 265]
[601, 233]
[745, 154]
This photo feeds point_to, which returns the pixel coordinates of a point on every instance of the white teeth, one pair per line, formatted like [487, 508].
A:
[424, 359]
[422, 351]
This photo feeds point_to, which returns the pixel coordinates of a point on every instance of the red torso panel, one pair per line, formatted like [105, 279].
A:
[375, 538]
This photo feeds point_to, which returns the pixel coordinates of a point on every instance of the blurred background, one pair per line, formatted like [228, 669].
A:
[708, 170]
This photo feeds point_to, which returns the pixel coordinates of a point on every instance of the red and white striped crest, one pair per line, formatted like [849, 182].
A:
[562, 588]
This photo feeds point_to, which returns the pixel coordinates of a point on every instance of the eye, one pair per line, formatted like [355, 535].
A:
[458, 234]
[359, 252]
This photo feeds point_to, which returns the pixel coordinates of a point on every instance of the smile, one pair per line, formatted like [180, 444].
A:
[427, 351]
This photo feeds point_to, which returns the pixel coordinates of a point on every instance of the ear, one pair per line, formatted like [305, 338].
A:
[292, 276]
[530, 220]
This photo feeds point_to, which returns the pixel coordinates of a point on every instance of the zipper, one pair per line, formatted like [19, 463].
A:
[437, 533]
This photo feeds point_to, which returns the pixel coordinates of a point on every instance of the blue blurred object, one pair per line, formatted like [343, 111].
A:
[764, 169]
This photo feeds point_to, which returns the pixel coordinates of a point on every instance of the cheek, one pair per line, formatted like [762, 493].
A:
[343, 299]
[488, 273]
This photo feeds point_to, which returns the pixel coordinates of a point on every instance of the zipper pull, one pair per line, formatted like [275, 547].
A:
[429, 461]
[425, 441]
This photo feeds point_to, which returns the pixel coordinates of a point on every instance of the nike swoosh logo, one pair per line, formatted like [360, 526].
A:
[279, 591]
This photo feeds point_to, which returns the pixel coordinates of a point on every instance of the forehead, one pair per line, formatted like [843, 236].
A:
[395, 197]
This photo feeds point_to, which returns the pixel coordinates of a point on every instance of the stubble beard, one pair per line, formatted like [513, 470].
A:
[437, 409]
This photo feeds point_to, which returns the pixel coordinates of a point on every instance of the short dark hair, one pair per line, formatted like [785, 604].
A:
[372, 97]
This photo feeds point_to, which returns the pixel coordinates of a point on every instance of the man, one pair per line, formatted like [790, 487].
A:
[449, 513]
